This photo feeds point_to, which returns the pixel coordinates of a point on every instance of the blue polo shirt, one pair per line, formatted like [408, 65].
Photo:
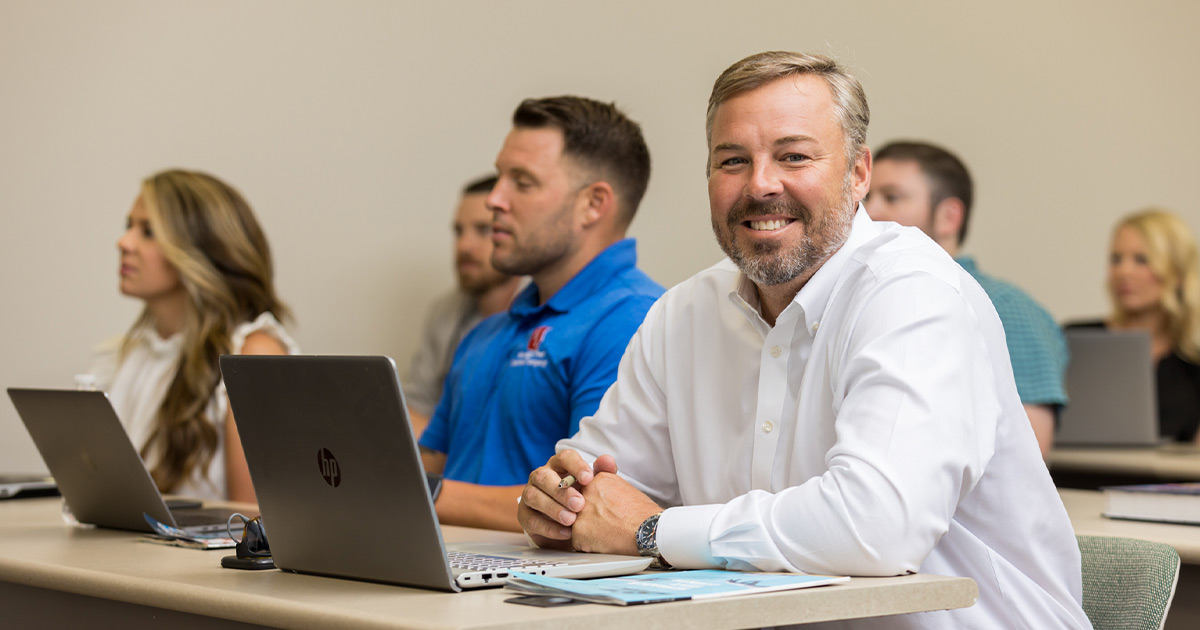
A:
[1036, 345]
[523, 379]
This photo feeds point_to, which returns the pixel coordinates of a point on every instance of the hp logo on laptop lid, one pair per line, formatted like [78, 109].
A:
[329, 467]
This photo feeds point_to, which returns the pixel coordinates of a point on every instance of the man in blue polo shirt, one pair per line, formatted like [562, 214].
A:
[925, 186]
[571, 175]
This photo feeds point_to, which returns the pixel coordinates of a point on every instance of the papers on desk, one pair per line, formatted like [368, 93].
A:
[167, 535]
[1160, 502]
[669, 586]
[191, 543]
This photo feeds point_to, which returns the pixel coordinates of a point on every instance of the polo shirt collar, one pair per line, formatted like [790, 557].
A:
[610, 263]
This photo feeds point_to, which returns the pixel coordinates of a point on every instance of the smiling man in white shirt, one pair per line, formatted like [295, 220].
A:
[834, 398]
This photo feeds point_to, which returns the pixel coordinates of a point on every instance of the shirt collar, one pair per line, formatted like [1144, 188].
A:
[744, 292]
[814, 295]
[613, 261]
[156, 344]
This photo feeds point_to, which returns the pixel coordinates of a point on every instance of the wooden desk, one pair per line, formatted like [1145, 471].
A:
[1084, 508]
[54, 575]
[1091, 468]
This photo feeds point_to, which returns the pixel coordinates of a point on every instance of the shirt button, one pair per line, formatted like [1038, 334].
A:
[775, 352]
[767, 427]
[815, 326]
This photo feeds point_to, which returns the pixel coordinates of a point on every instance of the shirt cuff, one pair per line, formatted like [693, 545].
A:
[682, 536]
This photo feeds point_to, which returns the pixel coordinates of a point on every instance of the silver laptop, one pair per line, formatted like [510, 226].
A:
[340, 483]
[98, 471]
[1111, 385]
[14, 485]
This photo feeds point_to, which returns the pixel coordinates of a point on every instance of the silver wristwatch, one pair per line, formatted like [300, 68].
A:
[647, 539]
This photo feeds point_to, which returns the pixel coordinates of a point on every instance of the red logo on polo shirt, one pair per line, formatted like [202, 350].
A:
[537, 337]
[532, 356]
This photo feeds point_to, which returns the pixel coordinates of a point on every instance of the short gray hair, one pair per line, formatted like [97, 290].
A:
[755, 71]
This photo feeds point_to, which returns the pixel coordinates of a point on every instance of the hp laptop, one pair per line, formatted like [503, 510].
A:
[340, 483]
[98, 471]
[1110, 382]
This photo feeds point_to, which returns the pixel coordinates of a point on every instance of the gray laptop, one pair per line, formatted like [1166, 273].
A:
[98, 471]
[1110, 383]
[14, 485]
[340, 483]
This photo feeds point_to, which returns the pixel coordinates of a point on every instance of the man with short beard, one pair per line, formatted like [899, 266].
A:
[482, 291]
[836, 398]
[570, 176]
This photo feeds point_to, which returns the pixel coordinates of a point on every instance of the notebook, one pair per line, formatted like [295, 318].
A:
[99, 473]
[26, 485]
[1110, 383]
[340, 483]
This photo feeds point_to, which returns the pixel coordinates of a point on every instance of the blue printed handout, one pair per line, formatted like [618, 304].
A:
[669, 586]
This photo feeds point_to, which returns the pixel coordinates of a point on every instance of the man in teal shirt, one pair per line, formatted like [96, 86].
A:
[926, 186]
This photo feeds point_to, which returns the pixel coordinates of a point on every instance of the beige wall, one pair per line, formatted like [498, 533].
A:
[350, 126]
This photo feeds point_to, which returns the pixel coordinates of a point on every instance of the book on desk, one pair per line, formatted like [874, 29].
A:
[1159, 502]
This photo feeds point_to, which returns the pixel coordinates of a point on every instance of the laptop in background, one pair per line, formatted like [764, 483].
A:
[13, 485]
[1110, 383]
[340, 483]
[99, 473]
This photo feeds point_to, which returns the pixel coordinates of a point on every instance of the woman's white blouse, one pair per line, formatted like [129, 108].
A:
[137, 385]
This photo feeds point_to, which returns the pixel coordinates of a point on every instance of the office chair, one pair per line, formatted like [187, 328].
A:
[1127, 583]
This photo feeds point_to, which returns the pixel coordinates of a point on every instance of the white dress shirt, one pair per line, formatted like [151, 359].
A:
[874, 430]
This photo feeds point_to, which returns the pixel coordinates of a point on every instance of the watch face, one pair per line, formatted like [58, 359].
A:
[647, 542]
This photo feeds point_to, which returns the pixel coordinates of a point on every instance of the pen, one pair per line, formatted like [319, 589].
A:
[567, 481]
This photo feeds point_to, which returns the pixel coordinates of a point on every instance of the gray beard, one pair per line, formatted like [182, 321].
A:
[767, 264]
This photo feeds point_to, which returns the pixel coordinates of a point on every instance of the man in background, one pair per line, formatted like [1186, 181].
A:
[482, 291]
[571, 174]
[925, 186]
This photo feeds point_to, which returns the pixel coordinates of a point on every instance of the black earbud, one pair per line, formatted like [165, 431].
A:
[254, 541]
[253, 552]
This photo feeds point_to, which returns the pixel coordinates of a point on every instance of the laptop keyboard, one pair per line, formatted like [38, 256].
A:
[480, 562]
[204, 519]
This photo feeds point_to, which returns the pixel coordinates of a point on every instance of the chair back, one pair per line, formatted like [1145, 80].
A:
[1127, 583]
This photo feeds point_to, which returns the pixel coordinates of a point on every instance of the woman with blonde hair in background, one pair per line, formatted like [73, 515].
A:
[193, 252]
[1154, 285]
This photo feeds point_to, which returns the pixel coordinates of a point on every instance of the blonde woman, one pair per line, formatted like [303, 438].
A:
[1154, 285]
[194, 254]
